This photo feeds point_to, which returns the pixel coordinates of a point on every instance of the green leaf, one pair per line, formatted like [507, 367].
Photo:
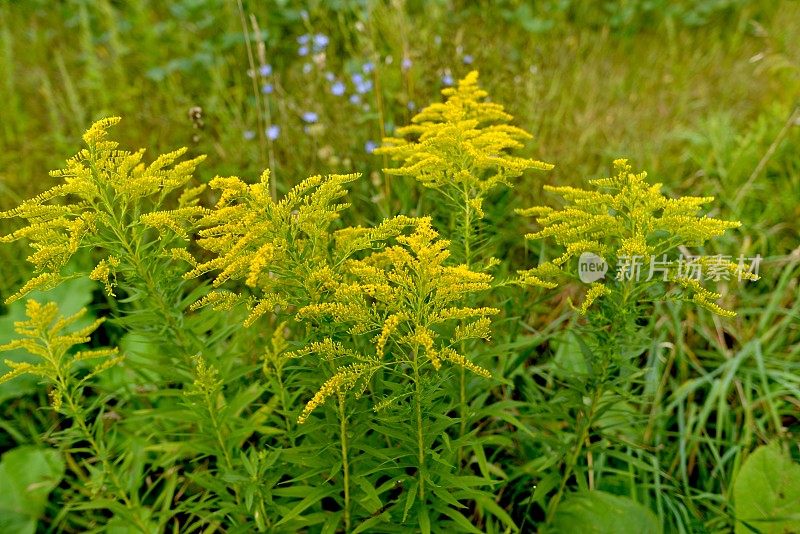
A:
[424, 520]
[411, 495]
[598, 512]
[27, 476]
[766, 493]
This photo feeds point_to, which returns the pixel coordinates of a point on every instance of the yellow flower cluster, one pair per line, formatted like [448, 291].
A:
[461, 146]
[404, 298]
[625, 217]
[47, 334]
[284, 250]
[105, 193]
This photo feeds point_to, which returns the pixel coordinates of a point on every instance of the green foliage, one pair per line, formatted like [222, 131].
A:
[27, 475]
[598, 512]
[766, 492]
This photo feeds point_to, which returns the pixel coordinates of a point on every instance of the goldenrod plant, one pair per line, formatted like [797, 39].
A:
[285, 252]
[461, 148]
[115, 207]
[399, 316]
[51, 338]
[278, 256]
[632, 244]
[638, 233]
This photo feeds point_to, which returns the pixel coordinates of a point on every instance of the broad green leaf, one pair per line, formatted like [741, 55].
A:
[27, 476]
[598, 512]
[767, 493]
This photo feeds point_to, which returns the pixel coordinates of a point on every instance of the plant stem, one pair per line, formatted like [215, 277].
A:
[467, 229]
[212, 413]
[420, 441]
[572, 461]
[345, 461]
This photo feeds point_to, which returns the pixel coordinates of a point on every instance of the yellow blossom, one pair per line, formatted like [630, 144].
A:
[625, 217]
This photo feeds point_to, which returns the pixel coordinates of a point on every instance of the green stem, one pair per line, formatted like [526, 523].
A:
[345, 461]
[420, 440]
[212, 413]
[572, 461]
[467, 229]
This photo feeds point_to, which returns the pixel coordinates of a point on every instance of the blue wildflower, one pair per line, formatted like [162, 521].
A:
[303, 39]
[330, 76]
[302, 51]
[468, 59]
[265, 70]
[267, 88]
[364, 87]
[370, 146]
[249, 135]
[406, 63]
[368, 67]
[273, 132]
[306, 68]
[320, 42]
[411, 105]
[310, 117]
[355, 99]
[337, 88]
[447, 79]
[357, 78]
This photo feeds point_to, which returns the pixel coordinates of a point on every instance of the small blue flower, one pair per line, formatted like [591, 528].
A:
[265, 70]
[355, 99]
[447, 79]
[330, 76]
[320, 42]
[368, 67]
[273, 132]
[310, 117]
[267, 88]
[337, 88]
[406, 64]
[468, 59]
[357, 78]
[302, 51]
[249, 135]
[364, 87]
[306, 68]
[303, 39]
[411, 105]
[370, 146]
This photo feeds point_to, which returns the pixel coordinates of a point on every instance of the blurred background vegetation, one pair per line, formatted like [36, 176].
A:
[696, 92]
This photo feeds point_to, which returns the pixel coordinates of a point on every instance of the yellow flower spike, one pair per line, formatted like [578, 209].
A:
[462, 361]
[625, 217]
[344, 380]
[388, 327]
[595, 292]
[103, 192]
[407, 293]
[461, 145]
[46, 334]
[284, 250]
